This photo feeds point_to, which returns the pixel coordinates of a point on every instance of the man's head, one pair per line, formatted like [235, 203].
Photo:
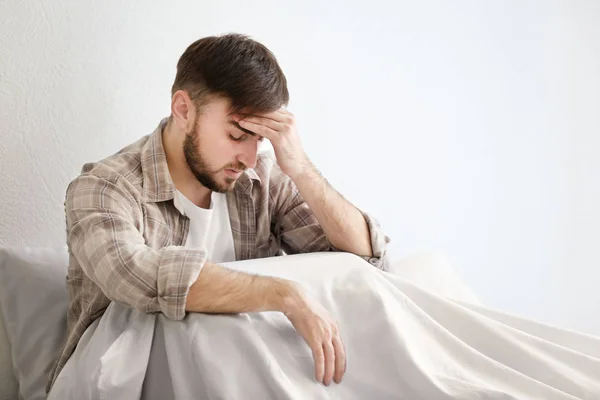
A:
[217, 78]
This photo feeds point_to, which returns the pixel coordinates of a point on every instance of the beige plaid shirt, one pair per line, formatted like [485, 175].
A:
[125, 233]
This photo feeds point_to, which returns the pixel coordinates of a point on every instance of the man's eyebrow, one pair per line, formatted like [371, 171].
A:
[234, 123]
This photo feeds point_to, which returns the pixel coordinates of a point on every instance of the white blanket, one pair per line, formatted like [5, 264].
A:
[402, 342]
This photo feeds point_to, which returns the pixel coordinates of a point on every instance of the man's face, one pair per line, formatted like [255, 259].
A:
[217, 150]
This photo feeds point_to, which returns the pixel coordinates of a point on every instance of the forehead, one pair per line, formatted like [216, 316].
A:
[218, 111]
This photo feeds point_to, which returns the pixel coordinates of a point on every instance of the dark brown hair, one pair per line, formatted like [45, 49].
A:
[233, 66]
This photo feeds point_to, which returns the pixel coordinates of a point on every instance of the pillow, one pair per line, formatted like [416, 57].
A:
[8, 382]
[34, 303]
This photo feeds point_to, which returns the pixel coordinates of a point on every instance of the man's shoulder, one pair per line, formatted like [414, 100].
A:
[126, 163]
[123, 169]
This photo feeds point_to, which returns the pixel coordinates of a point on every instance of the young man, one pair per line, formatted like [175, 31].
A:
[148, 226]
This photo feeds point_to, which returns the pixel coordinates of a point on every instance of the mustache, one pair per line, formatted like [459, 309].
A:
[237, 167]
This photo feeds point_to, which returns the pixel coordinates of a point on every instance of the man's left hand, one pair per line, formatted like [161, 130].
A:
[280, 128]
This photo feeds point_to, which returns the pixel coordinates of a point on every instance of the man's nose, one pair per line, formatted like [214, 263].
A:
[250, 154]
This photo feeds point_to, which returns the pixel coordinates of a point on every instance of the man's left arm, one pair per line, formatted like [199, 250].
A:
[343, 224]
[346, 227]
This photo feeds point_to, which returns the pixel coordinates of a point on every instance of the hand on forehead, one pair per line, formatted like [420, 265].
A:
[266, 119]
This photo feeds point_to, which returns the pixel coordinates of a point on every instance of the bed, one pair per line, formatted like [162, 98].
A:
[33, 277]
[426, 336]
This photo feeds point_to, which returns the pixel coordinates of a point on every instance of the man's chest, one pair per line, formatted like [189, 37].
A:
[251, 227]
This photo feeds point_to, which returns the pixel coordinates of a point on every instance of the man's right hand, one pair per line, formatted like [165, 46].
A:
[321, 333]
[222, 290]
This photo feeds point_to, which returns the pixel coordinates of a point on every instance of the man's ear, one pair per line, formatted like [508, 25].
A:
[183, 110]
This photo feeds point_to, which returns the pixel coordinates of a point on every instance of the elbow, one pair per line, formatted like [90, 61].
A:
[148, 280]
[147, 301]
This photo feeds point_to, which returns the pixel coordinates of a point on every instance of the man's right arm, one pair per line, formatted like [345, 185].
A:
[221, 290]
[103, 232]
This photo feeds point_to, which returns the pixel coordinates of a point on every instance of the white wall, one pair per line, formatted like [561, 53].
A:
[468, 127]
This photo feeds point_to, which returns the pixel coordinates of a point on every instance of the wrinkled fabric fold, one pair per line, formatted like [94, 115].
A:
[402, 342]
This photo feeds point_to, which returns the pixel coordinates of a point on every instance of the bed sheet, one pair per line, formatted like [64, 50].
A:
[403, 342]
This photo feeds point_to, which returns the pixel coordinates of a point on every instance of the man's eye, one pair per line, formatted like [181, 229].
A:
[237, 139]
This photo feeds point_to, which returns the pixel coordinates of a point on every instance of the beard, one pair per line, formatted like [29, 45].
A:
[200, 168]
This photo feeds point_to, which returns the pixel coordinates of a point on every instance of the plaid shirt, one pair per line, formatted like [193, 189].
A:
[125, 233]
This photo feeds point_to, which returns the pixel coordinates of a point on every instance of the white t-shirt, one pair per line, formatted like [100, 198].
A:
[210, 229]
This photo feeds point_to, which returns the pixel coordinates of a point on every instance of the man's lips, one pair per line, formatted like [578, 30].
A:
[233, 172]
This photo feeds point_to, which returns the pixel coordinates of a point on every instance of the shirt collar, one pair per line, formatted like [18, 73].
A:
[157, 183]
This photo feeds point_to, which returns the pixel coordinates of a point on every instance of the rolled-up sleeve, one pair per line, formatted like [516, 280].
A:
[298, 230]
[379, 242]
[104, 233]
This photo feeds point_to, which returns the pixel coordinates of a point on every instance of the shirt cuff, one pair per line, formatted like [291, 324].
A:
[176, 273]
[379, 241]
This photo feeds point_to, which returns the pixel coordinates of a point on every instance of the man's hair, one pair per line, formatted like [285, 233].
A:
[235, 67]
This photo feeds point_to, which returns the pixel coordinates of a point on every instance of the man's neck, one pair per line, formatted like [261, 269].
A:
[183, 178]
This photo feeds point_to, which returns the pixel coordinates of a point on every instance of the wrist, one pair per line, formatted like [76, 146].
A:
[286, 295]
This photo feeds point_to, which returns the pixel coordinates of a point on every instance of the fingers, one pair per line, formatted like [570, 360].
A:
[321, 333]
[330, 359]
[274, 125]
[319, 357]
[267, 125]
[340, 358]
[264, 127]
[330, 362]
[259, 129]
